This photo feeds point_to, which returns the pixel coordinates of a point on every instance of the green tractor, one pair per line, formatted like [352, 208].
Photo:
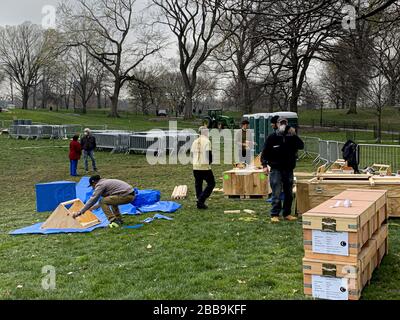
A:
[215, 119]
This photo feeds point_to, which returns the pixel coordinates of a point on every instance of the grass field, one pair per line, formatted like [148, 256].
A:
[198, 255]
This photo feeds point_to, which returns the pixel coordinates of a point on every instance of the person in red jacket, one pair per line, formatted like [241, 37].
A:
[75, 151]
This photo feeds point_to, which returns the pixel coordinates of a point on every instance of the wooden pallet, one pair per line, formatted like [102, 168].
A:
[180, 192]
[245, 197]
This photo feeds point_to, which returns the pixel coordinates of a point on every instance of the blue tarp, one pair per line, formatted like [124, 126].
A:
[146, 197]
[83, 192]
[161, 206]
[157, 216]
[35, 229]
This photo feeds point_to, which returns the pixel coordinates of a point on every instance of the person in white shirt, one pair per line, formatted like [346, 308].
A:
[202, 159]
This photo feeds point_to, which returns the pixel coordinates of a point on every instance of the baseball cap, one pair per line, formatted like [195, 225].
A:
[93, 179]
[274, 119]
[283, 120]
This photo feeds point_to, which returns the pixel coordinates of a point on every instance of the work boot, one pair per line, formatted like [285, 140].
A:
[275, 219]
[201, 205]
[290, 218]
[119, 221]
[113, 225]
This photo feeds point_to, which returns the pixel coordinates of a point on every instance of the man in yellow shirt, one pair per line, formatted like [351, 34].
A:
[202, 159]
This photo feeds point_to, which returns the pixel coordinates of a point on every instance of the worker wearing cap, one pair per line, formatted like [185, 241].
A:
[114, 192]
[274, 123]
[202, 158]
[244, 140]
[279, 154]
[88, 144]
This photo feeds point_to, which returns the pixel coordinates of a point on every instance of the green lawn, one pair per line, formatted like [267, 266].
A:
[198, 255]
[390, 117]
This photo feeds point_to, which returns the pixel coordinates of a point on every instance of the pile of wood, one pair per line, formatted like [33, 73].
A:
[180, 192]
[343, 245]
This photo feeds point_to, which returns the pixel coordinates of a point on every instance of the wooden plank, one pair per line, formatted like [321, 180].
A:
[302, 198]
[232, 211]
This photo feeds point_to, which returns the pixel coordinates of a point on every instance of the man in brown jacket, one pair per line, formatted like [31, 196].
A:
[114, 192]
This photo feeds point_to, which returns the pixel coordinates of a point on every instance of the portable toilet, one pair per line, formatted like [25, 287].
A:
[263, 131]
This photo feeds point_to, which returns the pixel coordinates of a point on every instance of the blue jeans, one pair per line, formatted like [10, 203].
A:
[86, 155]
[281, 179]
[73, 166]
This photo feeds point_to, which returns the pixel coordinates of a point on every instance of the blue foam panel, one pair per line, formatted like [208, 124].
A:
[50, 195]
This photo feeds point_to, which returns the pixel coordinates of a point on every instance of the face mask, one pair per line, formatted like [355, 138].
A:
[282, 128]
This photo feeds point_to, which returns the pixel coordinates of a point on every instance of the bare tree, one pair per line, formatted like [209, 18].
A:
[24, 50]
[195, 24]
[378, 94]
[241, 55]
[83, 68]
[386, 49]
[109, 32]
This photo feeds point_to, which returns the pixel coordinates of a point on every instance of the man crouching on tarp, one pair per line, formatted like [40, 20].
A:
[114, 192]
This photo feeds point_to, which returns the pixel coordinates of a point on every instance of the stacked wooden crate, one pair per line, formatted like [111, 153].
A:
[245, 183]
[344, 245]
[315, 191]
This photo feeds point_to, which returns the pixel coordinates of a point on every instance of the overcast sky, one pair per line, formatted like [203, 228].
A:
[13, 12]
[17, 11]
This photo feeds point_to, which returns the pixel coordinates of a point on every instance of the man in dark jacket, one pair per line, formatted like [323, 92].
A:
[279, 153]
[88, 143]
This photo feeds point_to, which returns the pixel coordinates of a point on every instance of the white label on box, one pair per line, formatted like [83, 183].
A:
[330, 288]
[330, 242]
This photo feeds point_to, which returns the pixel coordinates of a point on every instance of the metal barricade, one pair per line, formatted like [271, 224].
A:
[106, 141]
[323, 151]
[69, 130]
[334, 152]
[148, 142]
[369, 154]
[311, 147]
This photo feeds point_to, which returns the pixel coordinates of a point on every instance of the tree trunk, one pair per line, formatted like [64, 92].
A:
[188, 111]
[114, 100]
[12, 91]
[294, 99]
[34, 97]
[353, 104]
[99, 100]
[392, 95]
[272, 99]
[25, 98]
[84, 106]
[379, 133]
[74, 99]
